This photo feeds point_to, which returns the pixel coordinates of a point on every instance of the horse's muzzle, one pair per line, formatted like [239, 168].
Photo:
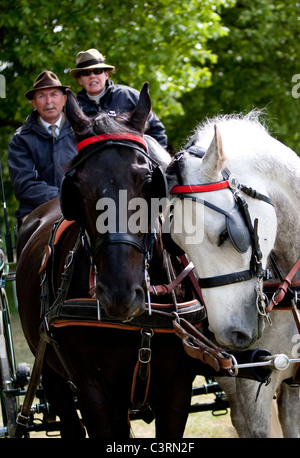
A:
[121, 304]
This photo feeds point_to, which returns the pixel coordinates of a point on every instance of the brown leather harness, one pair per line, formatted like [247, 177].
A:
[185, 319]
[184, 191]
[278, 302]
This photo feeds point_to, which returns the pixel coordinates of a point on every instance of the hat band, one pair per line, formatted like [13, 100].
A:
[87, 63]
[46, 83]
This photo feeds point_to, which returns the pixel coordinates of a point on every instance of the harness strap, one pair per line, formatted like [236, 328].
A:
[67, 275]
[114, 238]
[296, 314]
[142, 372]
[133, 395]
[280, 293]
[166, 289]
[255, 194]
[84, 312]
[296, 374]
[193, 279]
[279, 296]
[45, 269]
[34, 381]
[198, 346]
[145, 353]
[227, 279]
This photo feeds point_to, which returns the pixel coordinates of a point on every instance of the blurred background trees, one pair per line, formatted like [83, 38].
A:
[201, 58]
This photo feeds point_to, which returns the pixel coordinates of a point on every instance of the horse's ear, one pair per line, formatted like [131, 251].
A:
[79, 122]
[141, 112]
[214, 158]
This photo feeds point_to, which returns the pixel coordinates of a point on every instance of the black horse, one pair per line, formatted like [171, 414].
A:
[103, 338]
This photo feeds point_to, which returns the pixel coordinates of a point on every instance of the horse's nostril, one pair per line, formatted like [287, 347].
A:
[240, 339]
[121, 303]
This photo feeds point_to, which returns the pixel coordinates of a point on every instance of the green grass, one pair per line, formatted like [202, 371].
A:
[199, 424]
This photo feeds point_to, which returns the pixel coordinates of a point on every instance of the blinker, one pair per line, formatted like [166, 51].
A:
[238, 231]
[159, 183]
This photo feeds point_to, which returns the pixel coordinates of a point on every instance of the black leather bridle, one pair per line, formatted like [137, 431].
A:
[111, 140]
[229, 181]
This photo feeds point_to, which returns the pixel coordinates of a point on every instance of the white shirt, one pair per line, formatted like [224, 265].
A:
[46, 125]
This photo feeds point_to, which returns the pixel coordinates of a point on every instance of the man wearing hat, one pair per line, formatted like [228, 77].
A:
[99, 93]
[42, 146]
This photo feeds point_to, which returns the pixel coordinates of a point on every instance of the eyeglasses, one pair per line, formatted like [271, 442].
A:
[96, 71]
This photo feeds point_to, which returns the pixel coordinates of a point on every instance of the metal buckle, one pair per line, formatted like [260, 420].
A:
[69, 259]
[147, 281]
[148, 352]
[261, 301]
[22, 420]
[273, 300]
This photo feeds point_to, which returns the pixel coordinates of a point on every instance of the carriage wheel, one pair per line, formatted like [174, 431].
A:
[9, 402]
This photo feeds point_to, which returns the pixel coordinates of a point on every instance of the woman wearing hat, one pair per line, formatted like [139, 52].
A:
[41, 147]
[99, 93]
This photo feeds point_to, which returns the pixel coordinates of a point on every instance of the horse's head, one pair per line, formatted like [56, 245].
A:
[228, 248]
[107, 190]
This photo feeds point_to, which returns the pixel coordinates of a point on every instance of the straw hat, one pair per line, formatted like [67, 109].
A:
[45, 80]
[87, 60]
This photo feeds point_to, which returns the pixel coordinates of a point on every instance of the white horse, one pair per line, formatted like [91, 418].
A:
[230, 263]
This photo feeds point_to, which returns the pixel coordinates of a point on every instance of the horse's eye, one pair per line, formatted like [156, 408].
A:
[223, 236]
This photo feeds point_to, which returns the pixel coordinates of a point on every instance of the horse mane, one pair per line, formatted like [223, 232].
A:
[246, 137]
[253, 121]
[104, 123]
[121, 124]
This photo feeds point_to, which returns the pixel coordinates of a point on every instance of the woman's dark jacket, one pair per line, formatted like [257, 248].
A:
[37, 162]
[121, 99]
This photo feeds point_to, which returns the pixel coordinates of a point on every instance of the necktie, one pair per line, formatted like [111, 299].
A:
[52, 128]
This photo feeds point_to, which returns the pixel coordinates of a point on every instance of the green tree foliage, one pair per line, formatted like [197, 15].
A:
[256, 64]
[160, 41]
